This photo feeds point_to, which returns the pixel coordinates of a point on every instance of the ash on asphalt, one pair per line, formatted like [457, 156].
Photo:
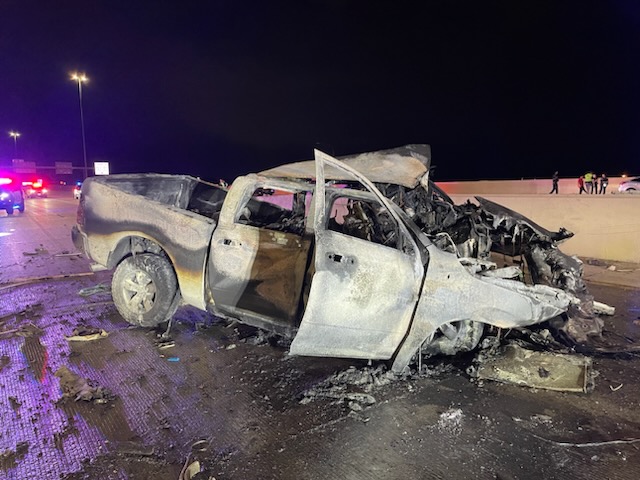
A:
[229, 397]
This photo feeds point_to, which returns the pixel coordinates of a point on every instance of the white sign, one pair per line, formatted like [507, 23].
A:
[101, 168]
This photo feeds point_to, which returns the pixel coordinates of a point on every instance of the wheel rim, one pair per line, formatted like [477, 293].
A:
[139, 292]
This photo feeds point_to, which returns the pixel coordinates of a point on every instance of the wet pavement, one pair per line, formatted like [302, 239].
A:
[231, 398]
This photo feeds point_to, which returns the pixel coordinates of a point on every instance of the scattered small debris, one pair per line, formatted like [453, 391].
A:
[340, 386]
[600, 308]
[15, 403]
[611, 268]
[100, 288]
[78, 388]
[164, 344]
[173, 359]
[4, 361]
[615, 389]
[189, 471]
[193, 468]
[435, 370]
[261, 337]
[26, 330]
[87, 334]
[67, 254]
[9, 458]
[38, 251]
[451, 421]
[231, 347]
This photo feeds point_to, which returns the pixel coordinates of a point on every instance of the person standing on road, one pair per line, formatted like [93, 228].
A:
[581, 185]
[594, 181]
[554, 179]
[587, 182]
[604, 183]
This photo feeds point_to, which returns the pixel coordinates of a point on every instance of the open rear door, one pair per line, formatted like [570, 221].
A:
[366, 284]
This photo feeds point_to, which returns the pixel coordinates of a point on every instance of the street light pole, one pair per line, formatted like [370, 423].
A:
[81, 78]
[15, 136]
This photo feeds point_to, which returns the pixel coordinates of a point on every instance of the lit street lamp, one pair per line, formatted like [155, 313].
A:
[15, 136]
[81, 78]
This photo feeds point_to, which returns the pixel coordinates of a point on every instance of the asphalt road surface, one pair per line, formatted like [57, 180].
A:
[229, 402]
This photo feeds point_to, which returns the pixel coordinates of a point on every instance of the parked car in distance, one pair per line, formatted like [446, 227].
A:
[77, 190]
[629, 185]
[11, 196]
[35, 189]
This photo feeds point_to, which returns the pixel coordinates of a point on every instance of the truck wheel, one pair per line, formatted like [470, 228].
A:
[145, 290]
[9, 210]
[21, 206]
[455, 337]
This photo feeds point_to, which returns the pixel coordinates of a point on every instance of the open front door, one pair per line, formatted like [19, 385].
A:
[368, 273]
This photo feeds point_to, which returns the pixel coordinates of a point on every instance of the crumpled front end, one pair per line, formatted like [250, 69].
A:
[478, 231]
[451, 296]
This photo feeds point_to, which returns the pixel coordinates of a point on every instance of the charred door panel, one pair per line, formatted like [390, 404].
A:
[260, 252]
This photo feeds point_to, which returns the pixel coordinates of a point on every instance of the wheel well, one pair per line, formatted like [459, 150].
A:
[134, 245]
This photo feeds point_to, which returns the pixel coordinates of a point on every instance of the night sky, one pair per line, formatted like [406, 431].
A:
[500, 90]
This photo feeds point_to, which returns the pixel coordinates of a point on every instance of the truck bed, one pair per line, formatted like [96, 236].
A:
[176, 212]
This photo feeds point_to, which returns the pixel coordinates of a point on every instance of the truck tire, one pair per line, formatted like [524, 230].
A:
[455, 337]
[145, 290]
[9, 210]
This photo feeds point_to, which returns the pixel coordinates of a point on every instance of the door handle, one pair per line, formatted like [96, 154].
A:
[336, 257]
[230, 243]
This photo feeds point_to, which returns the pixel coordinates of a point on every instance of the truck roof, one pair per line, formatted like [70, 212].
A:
[399, 166]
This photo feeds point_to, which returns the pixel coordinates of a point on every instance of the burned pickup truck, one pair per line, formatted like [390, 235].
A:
[361, 257]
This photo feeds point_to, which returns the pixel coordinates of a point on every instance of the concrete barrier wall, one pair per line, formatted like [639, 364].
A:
[605, 226]
[535, 186]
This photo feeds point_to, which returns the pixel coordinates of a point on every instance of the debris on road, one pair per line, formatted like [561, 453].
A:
[5, 360]
[78, 388]
[194, 468]
[550, 371]
[38, 251]
[9, 458]
[340, 386]
[87, 334]
[451, 421]
[600, 308]
[67, 254]
[164, 344]
[100, 288]
[25, 330]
